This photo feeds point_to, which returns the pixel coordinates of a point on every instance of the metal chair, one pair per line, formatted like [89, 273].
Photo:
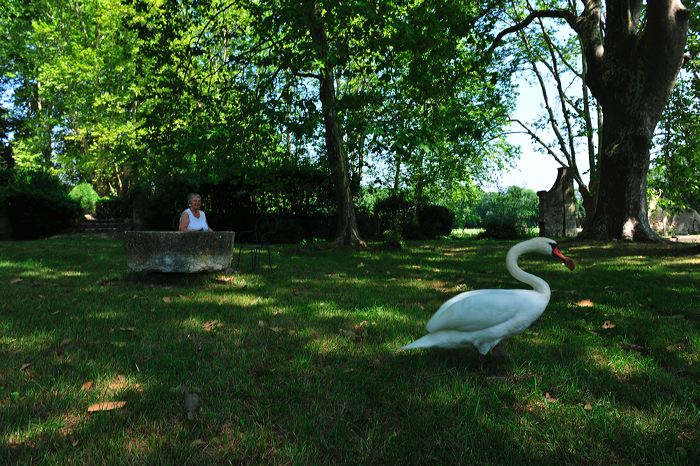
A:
[257, 241]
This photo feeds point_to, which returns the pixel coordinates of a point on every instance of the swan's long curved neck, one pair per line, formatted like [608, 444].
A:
[535, 282]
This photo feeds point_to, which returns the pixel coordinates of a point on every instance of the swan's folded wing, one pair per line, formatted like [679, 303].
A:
[481, 309]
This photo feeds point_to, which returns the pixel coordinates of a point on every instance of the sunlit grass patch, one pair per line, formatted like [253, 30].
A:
[303, 365]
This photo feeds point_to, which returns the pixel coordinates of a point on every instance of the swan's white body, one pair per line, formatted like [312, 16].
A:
[484, 317]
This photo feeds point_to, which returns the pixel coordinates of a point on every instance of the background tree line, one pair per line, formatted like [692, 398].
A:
[138, 97]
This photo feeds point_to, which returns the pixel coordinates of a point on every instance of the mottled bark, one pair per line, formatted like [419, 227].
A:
[633, 79]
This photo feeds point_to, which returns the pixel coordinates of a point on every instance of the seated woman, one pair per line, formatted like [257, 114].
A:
[194, 219]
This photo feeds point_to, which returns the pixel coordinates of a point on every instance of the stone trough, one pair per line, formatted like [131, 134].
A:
[174, 251]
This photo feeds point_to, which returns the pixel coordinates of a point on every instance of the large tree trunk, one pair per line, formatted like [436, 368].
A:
[347, 232]
[621, 210]
[632, 73]
[632, 62]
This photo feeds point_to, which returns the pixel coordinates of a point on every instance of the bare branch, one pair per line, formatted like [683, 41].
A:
[540, 142]
[562, 95]
[562, 14]
[545, 96]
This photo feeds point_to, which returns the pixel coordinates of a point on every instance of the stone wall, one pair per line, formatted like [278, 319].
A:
[558, 207]
[683, 222]
[174, 251]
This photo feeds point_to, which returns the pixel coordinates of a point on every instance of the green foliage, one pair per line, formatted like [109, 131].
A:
[300, 196]
[435, 221]
[86, 196]
[37, 204]
[508, 214]
[113, 208]
[396, 217]
[126, 94]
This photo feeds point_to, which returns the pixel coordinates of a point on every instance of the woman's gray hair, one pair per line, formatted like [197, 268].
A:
[191, 196]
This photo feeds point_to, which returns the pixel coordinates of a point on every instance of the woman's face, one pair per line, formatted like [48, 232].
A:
[196, 203]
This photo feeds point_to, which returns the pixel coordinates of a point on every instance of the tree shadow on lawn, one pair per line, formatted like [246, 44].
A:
[296, 388]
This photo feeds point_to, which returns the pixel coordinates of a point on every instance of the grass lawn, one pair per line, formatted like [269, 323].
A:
[304, 366]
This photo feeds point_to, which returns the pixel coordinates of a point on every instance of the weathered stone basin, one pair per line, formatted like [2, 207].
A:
[175, 251]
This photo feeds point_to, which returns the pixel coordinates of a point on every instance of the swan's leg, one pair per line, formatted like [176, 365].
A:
[498, 352]
[494, 356]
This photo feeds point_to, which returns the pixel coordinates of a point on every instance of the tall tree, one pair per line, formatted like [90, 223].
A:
[571, 118]
[347, 232]
[634, 51]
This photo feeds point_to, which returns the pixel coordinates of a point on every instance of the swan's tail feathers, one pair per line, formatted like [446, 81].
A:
[437, 340]
[423, 342]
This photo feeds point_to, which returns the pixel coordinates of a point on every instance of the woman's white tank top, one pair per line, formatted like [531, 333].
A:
[197, 224]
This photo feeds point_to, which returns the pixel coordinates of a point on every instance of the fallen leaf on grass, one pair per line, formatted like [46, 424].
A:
[211, 325]
[587, 407]
[118, 383]
[276, 329]
[25, 366]
[349, 334]
[608, 325]
[106, 406]
[549, 398]
[167, 299]
[87, 385]
[127, 329]
[361, 327]
[360, 265]
[585, 303]
[15, 280]
[225, 279]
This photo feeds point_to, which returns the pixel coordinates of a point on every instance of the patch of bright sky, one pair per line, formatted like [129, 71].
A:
[534, 170]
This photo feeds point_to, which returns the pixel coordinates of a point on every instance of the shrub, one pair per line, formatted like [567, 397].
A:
[113, 208]
[37, 204]
[508, 214]
[288, 231]
[392, 211]
[434, 221]
[86, 195]
[503, 225]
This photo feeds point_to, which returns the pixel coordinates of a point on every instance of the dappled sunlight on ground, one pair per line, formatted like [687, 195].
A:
[303, 364]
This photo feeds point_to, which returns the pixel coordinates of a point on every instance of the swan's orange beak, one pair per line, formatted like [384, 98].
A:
[570, 264]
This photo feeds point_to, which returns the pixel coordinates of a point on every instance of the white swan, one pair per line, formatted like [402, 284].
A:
[484, 317]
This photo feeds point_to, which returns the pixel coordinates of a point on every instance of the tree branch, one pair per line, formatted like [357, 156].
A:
[545, 97]
[307, 75]
[540, 142]
[570, 18]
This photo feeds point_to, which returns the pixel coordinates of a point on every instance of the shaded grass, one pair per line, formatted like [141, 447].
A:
[303, 365]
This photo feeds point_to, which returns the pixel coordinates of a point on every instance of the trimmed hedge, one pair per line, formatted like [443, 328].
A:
[113, 208]
[86, 195]
[37, 204]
